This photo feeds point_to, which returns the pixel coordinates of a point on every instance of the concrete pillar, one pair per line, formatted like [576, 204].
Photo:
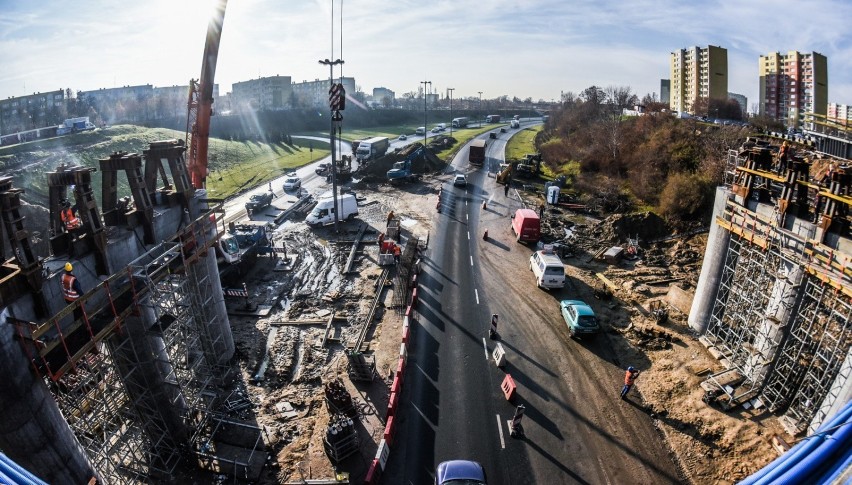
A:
[139, 368]
[779, 313]
[711, 267]
[838, 396]
[218, 324]
[33, 432]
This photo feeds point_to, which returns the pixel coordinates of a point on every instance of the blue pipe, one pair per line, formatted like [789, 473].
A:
[796, 453]
[5, 479]
[24, 477]
[807, 467]
[832, 475]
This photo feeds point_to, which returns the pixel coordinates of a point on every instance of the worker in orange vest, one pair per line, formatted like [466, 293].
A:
[629, 378]
[397, 252]
[69, 219]
[72, 290]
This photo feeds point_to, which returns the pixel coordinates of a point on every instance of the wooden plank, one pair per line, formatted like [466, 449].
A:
[281, 323]
[612, 286]
[327, 329]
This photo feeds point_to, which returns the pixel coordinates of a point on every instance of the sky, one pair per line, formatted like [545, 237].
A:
[523, 48]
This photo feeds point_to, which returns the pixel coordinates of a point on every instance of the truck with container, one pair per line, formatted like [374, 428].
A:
[372, 148]
[492, 119]
[460, 122]
[476, 155]
[237, 250]
[515, 124]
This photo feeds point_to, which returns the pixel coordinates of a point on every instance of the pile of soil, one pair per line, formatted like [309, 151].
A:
[425, 162]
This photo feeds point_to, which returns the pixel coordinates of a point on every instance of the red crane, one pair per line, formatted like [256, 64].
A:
[200, 106]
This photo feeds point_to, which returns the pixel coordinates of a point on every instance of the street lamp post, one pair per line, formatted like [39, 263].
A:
[480, 108]
[425, 124]
[450, 90]
[336, 120]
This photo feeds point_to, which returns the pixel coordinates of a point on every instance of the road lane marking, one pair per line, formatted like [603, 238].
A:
[471, 260]
[500, 429]
[476, 292]
[468, 235]
[485, 346]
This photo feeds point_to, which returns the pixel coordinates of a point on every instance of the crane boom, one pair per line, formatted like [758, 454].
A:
[200, 105]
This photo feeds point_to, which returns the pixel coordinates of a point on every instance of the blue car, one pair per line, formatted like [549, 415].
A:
[460, 472]
[579, 317]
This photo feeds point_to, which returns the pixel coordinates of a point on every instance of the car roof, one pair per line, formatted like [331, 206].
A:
[582, 307]
[460, 175]
[459, 470]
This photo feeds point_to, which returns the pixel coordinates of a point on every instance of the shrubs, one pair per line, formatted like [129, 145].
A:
[685, 196]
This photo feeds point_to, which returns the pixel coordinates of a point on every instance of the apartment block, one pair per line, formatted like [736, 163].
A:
[315, 93]
[665, 90]
[742, 100]
[382, 94]
[793, 84]
[266, 93]
[840, 114]
[698, 74]
[34, 111]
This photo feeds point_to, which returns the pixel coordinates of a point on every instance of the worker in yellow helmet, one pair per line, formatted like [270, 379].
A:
[72, 290]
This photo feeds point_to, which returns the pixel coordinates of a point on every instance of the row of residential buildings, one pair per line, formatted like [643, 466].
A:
[145, 102]
[793, 86]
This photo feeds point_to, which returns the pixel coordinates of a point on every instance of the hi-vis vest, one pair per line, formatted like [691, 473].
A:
[68, 287]
[70, 220]
[629, 377]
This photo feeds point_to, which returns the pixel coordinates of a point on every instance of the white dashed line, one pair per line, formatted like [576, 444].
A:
[476, 292]
[485, 347]
[468, 235]
[500, 429]
[471, 260]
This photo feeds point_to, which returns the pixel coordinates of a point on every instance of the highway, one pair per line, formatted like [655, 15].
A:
[577, 429]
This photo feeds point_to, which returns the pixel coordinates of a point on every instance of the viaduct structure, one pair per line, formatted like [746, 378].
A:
[130, 383]
[774, 298]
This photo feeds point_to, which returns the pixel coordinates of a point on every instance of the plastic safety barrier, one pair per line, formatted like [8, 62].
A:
[508, 386]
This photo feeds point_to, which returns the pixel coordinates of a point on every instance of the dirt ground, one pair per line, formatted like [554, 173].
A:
[712, 446]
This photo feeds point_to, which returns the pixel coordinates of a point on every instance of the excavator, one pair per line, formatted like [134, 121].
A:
[200, 105]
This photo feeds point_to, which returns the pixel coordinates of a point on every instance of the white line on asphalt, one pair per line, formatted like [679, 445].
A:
[471, 260]
[476, 292]
[485, 346]
[500, 429]
[468, 235]
[467, 217]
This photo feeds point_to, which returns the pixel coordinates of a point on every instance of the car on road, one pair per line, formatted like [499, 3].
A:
[579, 317]
[492, 135]
[460, 180]
[436, 130]
[403, 137]
[322, 168]
[502, 130]
[292, 182]
[460, 472]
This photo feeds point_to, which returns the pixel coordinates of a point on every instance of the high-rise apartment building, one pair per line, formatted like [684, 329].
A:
[841, 114]
[793, 84]
[665, 90]
[33, 111]
[698, 74]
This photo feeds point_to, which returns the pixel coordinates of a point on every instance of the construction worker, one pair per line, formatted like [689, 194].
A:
[69, 219]
[541, 211]
[629, 378]
[506, 190]
[783, 155]
[72, 290]
[397, 252]
[390, 217]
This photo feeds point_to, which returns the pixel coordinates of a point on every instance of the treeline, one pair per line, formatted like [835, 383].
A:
[620, 163]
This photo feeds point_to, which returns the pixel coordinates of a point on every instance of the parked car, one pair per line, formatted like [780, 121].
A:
[292, 182]
[460, 472]
[492, 135]
[548, 270]
[403, 137]
[579, 317]
[460, 180]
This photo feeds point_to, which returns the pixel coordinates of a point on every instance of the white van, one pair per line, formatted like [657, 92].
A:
[323, 213]
[420, 131]
[548, 270]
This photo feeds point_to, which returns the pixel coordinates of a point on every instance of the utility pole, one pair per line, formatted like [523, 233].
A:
[337, 97]
[480, 108]
[450, 90]
[425, 124]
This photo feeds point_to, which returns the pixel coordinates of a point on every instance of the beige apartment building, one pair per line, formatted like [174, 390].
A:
[266, 93]
[698, 73]
[793, 84]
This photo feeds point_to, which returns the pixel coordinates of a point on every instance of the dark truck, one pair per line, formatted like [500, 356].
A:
[258, 202]
[477, 152]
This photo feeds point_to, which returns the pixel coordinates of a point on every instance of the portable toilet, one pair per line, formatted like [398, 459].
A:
[553, 194]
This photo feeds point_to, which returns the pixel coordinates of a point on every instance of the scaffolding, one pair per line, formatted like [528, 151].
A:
[781, 320]
[133, 365]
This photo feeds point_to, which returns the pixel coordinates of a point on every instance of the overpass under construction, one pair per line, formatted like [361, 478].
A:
[130, 383]
[774, 298]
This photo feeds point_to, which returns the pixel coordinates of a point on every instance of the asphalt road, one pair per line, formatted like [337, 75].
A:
[577, 429]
